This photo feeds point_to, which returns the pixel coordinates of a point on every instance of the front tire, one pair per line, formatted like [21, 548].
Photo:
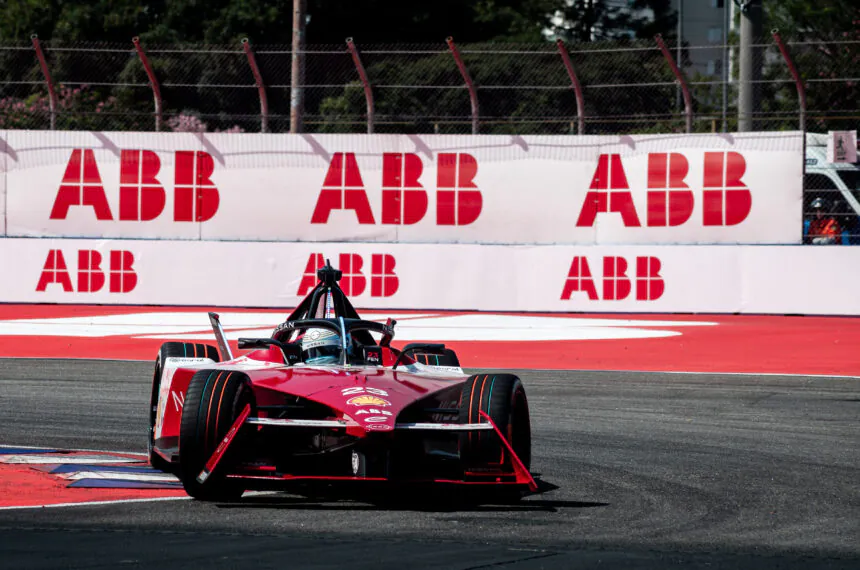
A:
[170, 350]
[503, 398]
[215, 398]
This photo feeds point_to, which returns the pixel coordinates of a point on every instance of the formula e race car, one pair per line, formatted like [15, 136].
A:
[323, 402]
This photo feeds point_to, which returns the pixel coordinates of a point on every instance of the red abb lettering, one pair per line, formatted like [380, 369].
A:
[309, 277]
[91, 278]
[195, 197]
[81, 186]
[649, 283]
[353, 281]
[616, 283]
[579, 279]
[342, 189]
[123, 278]
[731, 202]
[668, 206]
[383, 281]
[55, 271]
[404, 200]
[141, 196]
[458, 200]
[609, 176]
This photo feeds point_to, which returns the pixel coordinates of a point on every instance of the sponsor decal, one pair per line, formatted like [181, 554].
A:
[404, 200]
[373, 411]
[368, 400]
[122, 277]
[375, 419]
[378, 427]
[384, 282]
[141, 194]
[363, 390]
[726, 200]
[620, 278]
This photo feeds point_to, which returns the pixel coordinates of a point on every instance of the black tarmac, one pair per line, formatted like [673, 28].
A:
[644, 470]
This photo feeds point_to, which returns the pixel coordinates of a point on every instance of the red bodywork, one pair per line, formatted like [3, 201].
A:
[354, 395]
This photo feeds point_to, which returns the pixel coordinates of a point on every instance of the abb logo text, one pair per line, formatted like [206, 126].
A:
[617, 283]
[726, 201]
[404, 199]
[141, 194]
[383, 281]
[121, 277]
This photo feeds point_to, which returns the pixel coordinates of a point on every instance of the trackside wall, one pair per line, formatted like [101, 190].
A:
[664, 223]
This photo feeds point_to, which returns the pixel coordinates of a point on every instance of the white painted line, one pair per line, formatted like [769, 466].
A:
[789, 374]
[93, 503]
[84, 450]
[67, 459]
[151, 477]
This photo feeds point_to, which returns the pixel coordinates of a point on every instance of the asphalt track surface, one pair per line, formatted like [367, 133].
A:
[652, 470]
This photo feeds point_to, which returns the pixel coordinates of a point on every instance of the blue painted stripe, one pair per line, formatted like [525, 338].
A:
[25, 450]
[119, 484]
[103, 468]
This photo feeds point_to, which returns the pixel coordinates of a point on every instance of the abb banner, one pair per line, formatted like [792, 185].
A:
[741, 188]
[653, 278]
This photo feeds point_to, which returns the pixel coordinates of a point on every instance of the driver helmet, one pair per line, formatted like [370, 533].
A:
[321, 346]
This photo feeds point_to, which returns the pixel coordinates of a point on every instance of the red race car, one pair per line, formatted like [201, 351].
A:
[323, 402]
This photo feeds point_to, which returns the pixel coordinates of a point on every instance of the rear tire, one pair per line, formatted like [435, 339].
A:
[170, 350]
[503, 398]
[215, 398]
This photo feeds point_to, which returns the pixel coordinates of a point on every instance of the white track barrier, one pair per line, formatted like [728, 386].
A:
[659, 279]
[741, 188]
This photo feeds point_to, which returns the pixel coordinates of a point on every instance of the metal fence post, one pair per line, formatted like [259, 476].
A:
[261, 88]
[688, 103]
[798, 80]
[52, 94]
[156, 90]
[577, 88]
[473, 92]
[368, 92]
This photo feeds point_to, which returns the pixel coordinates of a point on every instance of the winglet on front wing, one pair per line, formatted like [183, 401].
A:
[220, 337]
[523, 475]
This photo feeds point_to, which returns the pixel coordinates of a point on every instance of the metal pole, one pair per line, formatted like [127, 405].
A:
[297, 94]
[261, 88]
[751, 16]
[577, 87]
[798, 81]
[679, 55]
[156, 90]
[368, 92]
[685, 91]
[473, 92]
[52, 94]
[725, 66]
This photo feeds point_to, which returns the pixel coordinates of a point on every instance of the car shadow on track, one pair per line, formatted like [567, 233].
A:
[405, 501]
[311, 504]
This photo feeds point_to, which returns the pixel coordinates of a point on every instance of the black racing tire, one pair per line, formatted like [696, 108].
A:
[170, 350]
[503, 398]
[213, 401]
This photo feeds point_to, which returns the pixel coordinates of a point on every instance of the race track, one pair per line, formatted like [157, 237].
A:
[652, 470]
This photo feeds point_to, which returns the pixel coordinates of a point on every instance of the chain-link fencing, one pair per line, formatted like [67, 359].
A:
[601, 87]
